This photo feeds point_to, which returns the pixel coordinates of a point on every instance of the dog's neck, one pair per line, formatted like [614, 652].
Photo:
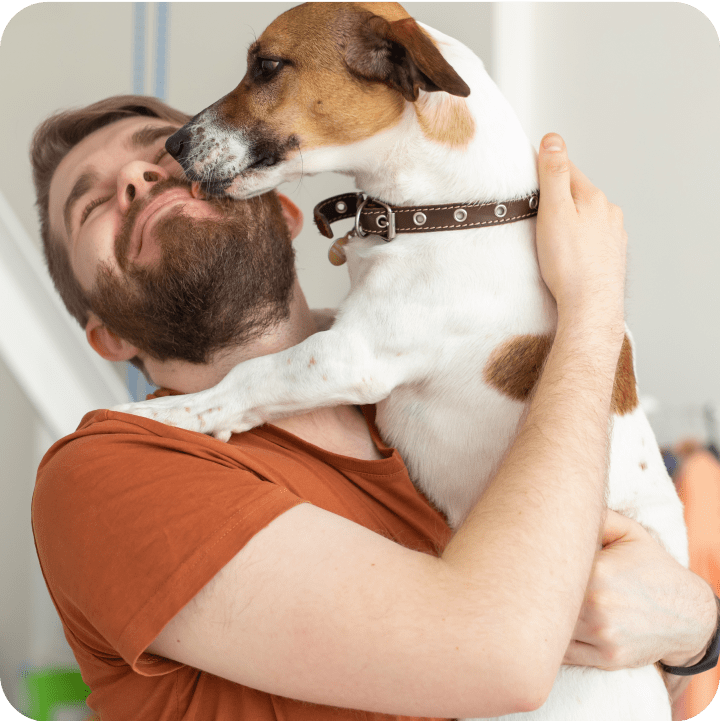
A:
[411, 165]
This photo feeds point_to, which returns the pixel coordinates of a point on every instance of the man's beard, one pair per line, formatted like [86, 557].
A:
[219, 283]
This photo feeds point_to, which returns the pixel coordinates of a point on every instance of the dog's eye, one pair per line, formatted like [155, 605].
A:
[268, 66]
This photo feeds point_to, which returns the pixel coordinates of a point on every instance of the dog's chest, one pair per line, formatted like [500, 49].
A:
[450, 303]
[477, 285]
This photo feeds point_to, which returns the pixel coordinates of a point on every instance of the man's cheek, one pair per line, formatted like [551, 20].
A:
[85, 266]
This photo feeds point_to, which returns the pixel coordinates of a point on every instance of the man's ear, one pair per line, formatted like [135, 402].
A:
[292, 214]
[105, 343]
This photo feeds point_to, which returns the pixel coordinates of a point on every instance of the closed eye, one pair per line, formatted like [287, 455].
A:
[92, 205]
[99, 201]
[163, 152]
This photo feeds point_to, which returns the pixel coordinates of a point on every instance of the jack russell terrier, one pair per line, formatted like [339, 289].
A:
[448, 321]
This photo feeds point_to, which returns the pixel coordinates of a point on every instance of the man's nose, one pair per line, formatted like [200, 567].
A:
[135, 181]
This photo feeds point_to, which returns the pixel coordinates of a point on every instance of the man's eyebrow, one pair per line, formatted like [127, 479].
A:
[149, 134]
[82, 185]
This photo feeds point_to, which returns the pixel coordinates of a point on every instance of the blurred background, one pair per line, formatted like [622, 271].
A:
[634, 88]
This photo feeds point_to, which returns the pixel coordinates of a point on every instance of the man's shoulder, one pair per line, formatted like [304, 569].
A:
[112, 444]
[108, 443]
[116, 460]
[102, 427]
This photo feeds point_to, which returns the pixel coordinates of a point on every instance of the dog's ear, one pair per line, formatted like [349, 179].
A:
[402, 56]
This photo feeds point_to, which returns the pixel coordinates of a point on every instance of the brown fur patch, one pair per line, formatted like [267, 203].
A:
[515, 366]
[624, 397]
[390, 11]
[449, 123]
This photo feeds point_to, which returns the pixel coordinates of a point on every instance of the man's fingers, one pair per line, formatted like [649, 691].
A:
[616, 528]
[580, 653]
[562, 185]
[583, 191]
[554, 173]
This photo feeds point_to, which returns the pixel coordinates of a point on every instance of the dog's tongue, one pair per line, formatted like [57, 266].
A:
[196, 191]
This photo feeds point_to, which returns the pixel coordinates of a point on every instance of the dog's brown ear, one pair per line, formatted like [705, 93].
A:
[402, 56]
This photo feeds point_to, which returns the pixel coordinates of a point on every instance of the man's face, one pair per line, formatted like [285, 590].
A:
[90, 193]
[177, 275]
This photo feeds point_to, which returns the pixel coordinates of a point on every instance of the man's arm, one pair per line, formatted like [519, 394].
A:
[320, 609]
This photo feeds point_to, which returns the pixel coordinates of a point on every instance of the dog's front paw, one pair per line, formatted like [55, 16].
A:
[193, 412]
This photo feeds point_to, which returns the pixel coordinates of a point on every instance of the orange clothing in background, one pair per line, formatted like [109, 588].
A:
[132, 518]
[698, 485]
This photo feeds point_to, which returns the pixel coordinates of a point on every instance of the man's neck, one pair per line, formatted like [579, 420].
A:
[340, 429]
[185, 377]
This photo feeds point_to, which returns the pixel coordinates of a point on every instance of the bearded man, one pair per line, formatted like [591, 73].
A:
[294, 572]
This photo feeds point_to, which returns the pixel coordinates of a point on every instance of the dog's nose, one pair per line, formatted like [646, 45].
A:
[178, 144]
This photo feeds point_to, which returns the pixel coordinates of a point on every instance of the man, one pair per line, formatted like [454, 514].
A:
[294, 572]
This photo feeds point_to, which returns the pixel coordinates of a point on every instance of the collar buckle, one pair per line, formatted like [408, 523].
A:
[386, 223]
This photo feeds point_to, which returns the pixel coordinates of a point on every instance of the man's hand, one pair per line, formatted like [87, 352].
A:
[581, 241]
[641, 605]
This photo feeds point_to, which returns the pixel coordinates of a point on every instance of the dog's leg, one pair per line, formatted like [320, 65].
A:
[327, 369]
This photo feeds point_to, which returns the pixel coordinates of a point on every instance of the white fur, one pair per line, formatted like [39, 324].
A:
[423, 315]
[219, 148]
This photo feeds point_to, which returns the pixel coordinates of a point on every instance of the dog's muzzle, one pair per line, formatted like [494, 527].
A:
[179, 145]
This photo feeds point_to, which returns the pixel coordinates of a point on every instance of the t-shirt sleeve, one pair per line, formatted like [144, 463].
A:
[130, 524]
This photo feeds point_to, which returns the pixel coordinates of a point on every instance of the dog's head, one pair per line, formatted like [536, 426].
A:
[321, 77]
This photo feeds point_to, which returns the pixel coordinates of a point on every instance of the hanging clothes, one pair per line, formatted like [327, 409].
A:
[698, 484]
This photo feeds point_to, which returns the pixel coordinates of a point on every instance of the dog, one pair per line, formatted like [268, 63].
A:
[445, 330]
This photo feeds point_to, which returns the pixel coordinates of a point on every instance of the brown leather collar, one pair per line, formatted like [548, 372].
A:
[374, 216]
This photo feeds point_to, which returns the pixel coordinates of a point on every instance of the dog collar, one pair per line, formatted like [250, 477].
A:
[374, 217]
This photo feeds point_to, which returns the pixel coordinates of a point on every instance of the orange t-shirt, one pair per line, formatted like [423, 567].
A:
[132, 518]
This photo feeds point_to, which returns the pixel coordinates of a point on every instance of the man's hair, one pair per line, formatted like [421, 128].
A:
[52, 141]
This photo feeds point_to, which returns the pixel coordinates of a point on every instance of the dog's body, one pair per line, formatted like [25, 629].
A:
[445, 331]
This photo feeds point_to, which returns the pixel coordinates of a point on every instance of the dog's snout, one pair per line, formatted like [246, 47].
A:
[178, 143]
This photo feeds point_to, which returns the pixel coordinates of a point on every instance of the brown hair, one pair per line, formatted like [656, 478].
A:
[52, 141]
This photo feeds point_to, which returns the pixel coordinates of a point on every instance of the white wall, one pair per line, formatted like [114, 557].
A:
[634, 88]
[17, 428]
